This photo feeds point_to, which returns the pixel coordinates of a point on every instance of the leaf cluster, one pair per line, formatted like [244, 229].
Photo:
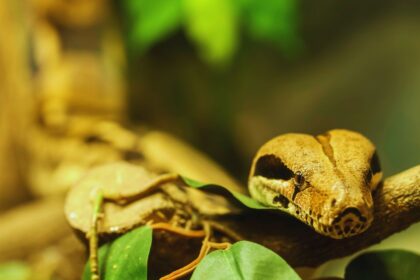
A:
[214, 26]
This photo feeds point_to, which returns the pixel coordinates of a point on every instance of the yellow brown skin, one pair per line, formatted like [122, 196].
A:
[325, 181]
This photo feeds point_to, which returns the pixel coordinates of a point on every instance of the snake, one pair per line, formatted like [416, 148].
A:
[325, 181]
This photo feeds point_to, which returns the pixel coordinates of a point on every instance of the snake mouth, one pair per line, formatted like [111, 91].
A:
[350, 222]
[341, 231]
[338, 229]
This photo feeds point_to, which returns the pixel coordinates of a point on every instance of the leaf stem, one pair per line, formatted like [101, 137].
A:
[225, 230]
[205, 248]
[93, 236]
[178, 230]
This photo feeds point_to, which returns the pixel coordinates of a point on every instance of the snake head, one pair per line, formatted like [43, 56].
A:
[325, 181]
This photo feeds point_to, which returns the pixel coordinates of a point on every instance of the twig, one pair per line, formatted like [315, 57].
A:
[93, 237]
[205, 248]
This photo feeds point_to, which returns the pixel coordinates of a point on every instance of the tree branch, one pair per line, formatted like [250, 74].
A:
[397, 206]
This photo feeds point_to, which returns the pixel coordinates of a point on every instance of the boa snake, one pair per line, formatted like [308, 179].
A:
[325, 181]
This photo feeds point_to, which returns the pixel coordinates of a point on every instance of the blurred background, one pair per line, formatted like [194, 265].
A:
[223, 75]
[229, 75]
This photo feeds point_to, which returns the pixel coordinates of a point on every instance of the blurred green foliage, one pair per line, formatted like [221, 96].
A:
[151, 21]
[214, 26]
[272, 21]
[385, 265]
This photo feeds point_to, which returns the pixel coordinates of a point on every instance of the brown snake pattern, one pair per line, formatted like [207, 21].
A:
[325, 181]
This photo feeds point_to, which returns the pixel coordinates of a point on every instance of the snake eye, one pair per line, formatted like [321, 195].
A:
[299, 179]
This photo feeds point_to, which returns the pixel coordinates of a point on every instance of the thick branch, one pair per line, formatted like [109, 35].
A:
[397, 206]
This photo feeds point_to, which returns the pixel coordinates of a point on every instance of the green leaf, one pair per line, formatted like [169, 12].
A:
[14, 271]
[236, 198]
[245, 261]
[126, 257]
[212, 25]
[273, 21]
[384, 265]
[151, 21]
